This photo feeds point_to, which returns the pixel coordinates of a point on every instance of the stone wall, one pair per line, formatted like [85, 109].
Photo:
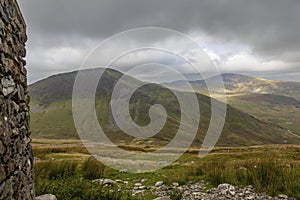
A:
[16, 158]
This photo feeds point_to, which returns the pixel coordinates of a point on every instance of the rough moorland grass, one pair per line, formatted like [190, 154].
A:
[275, 170]
[71, 180]
[265, 174]
[55, 169]
[43, 152]
[77, 189]
[92, 169]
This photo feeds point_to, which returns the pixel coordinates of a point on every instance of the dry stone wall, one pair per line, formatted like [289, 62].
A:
[16, 158]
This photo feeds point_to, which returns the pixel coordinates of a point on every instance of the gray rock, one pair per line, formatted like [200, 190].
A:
[282, 196]
[159, 184]
[143, 187]
[223, 192]
[175, 184]
[232, 192]
[108, 182]
[2, 148]
[135, 192]
[16, 177]
[225, 186]
[162, 198]
[8, 86]
[123, 171]
[137, 185]
[46, 197]
[2, 173]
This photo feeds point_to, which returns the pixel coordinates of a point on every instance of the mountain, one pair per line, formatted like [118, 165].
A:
[274, 102]
[268, 99]
[276, 109]
[241, 84]
[51, 114]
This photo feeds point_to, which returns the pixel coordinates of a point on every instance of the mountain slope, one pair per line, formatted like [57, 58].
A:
[277, 109]
[269, 99]
[51, 114]
[241, 84]
[274, 102]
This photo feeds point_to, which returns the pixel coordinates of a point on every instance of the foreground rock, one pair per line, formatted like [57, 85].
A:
[227, 191]
[159, 184]
[163, 198]
[194, 191]
[46, 197]
[16, 156]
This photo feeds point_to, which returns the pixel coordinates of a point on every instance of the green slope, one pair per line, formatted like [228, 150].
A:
[51, 114]
[277, 109]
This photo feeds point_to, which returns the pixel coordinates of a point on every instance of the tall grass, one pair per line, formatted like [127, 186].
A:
[63, 178]
[78, 189]
[55, 169]
[274, 171]
[92, 168]
[265, 174]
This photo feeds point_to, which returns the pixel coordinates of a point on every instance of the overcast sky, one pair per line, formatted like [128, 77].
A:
[257, 37]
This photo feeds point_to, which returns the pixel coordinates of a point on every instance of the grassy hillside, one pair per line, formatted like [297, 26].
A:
[281, 110]
[51, 114]
[275, 102]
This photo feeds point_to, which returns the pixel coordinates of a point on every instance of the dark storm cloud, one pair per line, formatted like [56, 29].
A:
[270, 28]
[268, 25]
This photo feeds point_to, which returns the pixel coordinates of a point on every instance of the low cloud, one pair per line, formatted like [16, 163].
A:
[240, 36]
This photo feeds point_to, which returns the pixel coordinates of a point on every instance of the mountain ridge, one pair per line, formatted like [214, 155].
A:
[52, 114]
[242, 84]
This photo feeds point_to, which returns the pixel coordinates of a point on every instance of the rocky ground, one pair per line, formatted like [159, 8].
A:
[192, 191]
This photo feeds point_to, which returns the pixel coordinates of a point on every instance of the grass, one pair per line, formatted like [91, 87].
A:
[265, 174]
[273, 169]
[55, 169]
[93, 169]
[77, 189]
[287, 116]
